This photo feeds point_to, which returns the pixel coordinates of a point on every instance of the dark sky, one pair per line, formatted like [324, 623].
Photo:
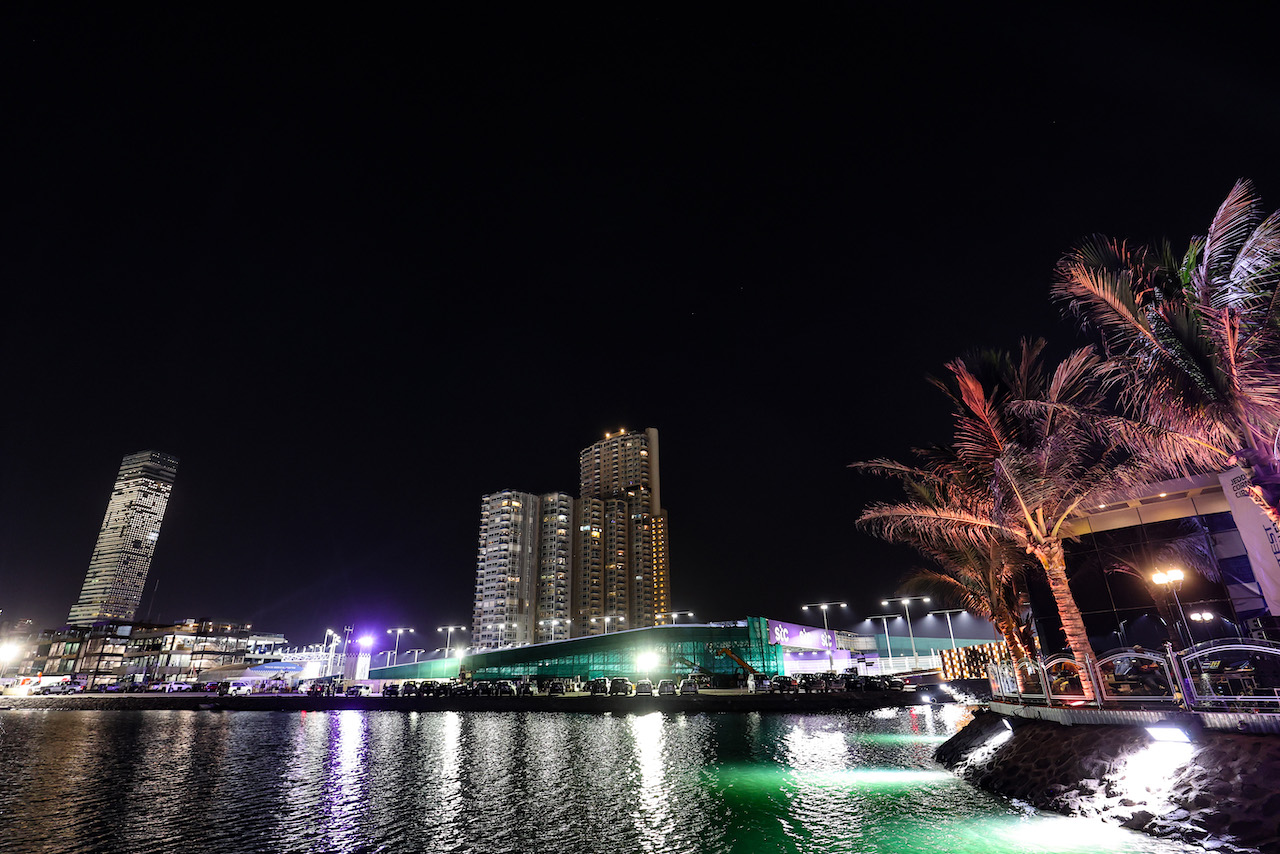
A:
[359, 268]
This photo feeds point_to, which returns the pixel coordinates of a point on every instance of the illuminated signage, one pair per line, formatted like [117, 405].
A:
[800, 637]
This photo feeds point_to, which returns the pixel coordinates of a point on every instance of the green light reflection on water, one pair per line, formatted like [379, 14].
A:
[804, 802]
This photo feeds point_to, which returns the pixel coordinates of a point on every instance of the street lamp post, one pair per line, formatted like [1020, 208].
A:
[331, 643]
[828, 639]
[398, 632]
[906, 609]
[888, 645]
[948, 612]
[673, 615]
[607, 619]
[388, 653]
[1173, 580]
[553, 624]
[416, 653]
[448, 638]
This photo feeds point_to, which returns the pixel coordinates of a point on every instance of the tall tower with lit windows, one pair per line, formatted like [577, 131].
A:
[506, 566]
[127, 540]
[621, 558]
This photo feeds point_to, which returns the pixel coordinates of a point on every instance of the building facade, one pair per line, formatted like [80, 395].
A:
[506, 569]
[623, 566]
[121, 558]
[555, 567]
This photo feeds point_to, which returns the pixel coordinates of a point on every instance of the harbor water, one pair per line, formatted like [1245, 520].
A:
[126, 782]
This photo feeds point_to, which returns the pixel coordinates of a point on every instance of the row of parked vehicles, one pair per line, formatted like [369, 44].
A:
[823, 683]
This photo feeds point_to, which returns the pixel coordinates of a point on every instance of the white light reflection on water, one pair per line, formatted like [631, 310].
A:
[652, 808]
[451, 794]
[495, 783]
[344, 786]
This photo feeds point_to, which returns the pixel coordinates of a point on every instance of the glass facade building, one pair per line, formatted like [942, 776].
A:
[724, 652]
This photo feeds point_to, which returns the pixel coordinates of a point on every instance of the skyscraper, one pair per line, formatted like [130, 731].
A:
[555, 568]
[621, 562]
[506, 568]
[127, 540]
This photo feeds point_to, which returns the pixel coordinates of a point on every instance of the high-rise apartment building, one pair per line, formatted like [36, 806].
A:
[555, 568]
[127, 540]
[506, 567]
[551, 567]
[622, 565]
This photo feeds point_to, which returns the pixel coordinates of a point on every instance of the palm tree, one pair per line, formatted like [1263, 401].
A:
[1196, 340]
[986, 581]
[1023, 462]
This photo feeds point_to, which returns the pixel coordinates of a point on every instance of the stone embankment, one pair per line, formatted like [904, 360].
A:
[1220, 792]
[708, 701]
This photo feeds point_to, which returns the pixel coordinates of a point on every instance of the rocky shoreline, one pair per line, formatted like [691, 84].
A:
[1220, 792]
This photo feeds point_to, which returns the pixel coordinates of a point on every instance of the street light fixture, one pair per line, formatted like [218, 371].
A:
[828, 639]
[448, 638]
[398, 632]
[1173, 580]
[607, 619]
[416, 653]
[673, 615]
[388, 653]
[948, 612]
[906, 609]
[553, 624]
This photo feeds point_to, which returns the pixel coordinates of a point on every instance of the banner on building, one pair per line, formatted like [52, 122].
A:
[1261, 540]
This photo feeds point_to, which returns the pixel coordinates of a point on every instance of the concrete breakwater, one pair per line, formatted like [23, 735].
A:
[1221, 791]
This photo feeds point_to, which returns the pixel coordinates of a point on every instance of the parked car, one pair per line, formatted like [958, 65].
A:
[409, 689]
[168, 687]
[61, 688]
[620, 685]
[667, 687]
[644, 688]
[555, 689]
[209, 687]
[391, 689]
[527, 689]
[688, 686]
[504, 688]
[235, 689]
[811, 683]
[599, 685]
[359, 691]
[783, 685]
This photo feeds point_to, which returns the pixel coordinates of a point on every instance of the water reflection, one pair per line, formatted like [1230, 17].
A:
[316, 782]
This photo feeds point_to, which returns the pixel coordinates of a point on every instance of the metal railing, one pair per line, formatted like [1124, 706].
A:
[1226, 674]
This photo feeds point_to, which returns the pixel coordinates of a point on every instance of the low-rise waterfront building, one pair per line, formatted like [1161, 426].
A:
[725, 652]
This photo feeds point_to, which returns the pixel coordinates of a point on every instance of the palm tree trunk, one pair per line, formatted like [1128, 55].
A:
[1055, 569]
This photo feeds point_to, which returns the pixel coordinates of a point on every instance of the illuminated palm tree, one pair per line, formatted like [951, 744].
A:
[1196, 340]
[986, 581]
[1023, 462]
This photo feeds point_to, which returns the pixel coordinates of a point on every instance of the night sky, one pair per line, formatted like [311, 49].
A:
[359, 267]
